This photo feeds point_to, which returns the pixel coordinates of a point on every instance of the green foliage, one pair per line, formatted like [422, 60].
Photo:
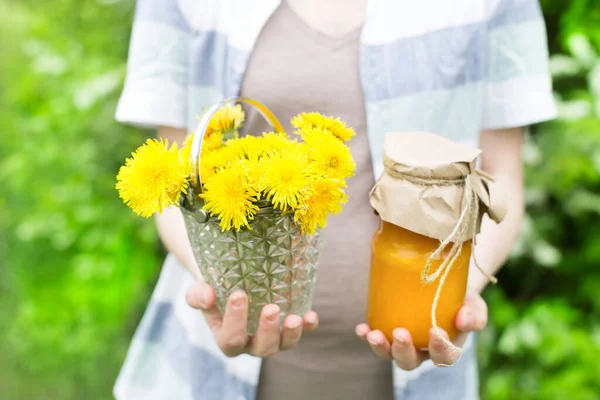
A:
[76, 266]
[544, 338]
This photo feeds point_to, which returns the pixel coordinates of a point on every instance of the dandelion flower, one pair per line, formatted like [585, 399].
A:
[306, 179]
[307, 121]
[229, 195]
[284, 176]
[277, 140]
[323, 197]
[213, 139]
[331, 156]
[257, 146]
[153, 178]
[246, 147]
[211, 161]
[186, 151]
[223, 126]
[225, 122]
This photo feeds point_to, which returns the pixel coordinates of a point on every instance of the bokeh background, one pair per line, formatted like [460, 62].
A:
[77, 267]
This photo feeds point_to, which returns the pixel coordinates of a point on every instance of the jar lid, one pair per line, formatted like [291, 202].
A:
[423, 154]
[430, 184]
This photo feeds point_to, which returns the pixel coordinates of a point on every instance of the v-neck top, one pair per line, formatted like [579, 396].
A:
[295, 68]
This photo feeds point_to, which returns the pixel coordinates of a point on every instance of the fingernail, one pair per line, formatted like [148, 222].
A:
[399, 339]
[271, 313]
[372, 343]
[311, 318]
[238, 300]
[203, 300]
[438, 333]
[295, 323]
[468, 319]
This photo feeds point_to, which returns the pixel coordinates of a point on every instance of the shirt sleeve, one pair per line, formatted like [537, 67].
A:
[518, 85]
[155, 91]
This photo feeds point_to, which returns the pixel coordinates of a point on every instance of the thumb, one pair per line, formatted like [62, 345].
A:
[202, 297]
[473, 315]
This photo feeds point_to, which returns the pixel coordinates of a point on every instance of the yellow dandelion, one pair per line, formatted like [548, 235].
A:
[331, 156]
[228, 118]
[246, 147]
[257, 146]
[211, 158]
[229, 195]
[223, 126]
[187, 144]
[323, 197]
[284, 175]
[213, 139]
[153, 178]
[227, 121]
[335, 126]
[252, 169]
[186, 150]
[212, 161]
[277, 140]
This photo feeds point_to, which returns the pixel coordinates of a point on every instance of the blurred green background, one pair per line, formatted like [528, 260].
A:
[77, 267]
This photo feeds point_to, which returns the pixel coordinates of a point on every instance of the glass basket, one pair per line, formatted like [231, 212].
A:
[273, 262]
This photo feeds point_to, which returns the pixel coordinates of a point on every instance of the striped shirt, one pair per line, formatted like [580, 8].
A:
[449, 67]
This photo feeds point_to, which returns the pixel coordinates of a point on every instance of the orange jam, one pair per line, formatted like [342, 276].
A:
[398, 296]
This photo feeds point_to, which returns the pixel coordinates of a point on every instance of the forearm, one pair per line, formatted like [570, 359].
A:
[172, 232]
[170, 223]
[495, 241]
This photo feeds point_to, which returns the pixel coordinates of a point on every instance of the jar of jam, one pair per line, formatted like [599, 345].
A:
[398, 296]
[430, 198]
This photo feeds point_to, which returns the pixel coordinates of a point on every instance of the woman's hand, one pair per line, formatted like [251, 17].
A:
[471, 317]
[230, 330]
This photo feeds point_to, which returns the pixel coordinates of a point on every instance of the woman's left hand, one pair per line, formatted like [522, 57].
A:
[471, 317]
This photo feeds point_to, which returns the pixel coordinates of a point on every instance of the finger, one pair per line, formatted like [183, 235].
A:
[311, 322]
[404, 352]
[473, 316]
[362, 330]
[442, 354]
[202, 297]
[474, 299]
[460, 339]
[470, 319]
[379, 344]
[268, 336]
[232, 337]
[292, 331]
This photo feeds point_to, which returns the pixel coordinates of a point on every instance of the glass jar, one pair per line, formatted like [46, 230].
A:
[398, 296]
[272, 261]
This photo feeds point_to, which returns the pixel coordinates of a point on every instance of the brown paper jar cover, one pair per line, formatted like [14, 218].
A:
[422, 186]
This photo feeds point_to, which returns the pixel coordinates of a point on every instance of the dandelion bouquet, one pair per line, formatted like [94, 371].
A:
[253, 205]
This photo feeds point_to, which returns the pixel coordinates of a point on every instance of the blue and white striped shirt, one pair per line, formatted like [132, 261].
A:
[449, 67]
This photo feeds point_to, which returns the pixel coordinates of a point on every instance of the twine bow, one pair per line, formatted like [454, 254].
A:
[469, 209]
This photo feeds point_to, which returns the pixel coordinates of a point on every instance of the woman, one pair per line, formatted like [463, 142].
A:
[473, 71]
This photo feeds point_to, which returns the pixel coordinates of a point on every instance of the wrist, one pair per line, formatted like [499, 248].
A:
[477, 281]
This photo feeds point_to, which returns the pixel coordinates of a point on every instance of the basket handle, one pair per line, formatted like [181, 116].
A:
[196, 179]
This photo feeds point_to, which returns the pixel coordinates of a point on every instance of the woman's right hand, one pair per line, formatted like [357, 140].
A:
[230, 330]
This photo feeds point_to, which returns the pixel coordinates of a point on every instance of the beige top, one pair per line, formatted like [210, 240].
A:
[295, 68]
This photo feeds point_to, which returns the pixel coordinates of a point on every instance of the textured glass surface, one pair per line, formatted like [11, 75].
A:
[272, 262]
